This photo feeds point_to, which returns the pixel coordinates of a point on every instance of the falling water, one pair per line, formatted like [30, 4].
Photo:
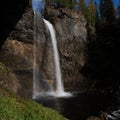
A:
[36, 79]
[59, 84]
[34, 62]
[41, 87]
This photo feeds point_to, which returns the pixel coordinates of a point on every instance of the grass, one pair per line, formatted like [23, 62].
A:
[13, 107]
[21, 109]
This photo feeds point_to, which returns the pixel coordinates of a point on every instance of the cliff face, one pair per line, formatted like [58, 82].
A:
[17, 51]
[71, 35]
[24, 29]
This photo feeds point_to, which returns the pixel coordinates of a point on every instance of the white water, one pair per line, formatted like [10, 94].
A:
[40, 87]
[59, 84]
[36, 86]
[34, 62]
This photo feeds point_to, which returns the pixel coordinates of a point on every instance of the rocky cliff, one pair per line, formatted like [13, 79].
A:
[71, 35]
[17, 51]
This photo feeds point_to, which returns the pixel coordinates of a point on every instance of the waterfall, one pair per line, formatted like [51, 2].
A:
[34, 62]
[59, 84]
[40, 86]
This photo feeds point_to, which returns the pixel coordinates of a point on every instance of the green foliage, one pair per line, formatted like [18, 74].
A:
[107, 11]
[101, 7]
[48, 2]
[20, 109]
[97, 19]
[118, 10]
[62, 3]
[13, 107]
[83, 7]
[72, 4]
[91, 13]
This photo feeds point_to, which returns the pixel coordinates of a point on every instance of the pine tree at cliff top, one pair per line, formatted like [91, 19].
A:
[118, 10]
[83, 7]
[72, 4]
[97, 18]
[91, 13]
[107, 11]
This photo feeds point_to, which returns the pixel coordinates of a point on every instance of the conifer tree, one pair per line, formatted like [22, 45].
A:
[83, 7]
[91, 14]
[107, 11]
[72, 4]
[97, 19]
[118, 10]
[102, 10]
[48, 2]
[62, 3]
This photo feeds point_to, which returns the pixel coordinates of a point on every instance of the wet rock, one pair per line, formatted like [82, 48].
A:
[115, 115]
[102, 116]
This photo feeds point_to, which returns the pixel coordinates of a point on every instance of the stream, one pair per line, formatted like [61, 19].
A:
[82, 105]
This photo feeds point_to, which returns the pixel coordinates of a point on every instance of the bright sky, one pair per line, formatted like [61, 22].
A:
[37, 5]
